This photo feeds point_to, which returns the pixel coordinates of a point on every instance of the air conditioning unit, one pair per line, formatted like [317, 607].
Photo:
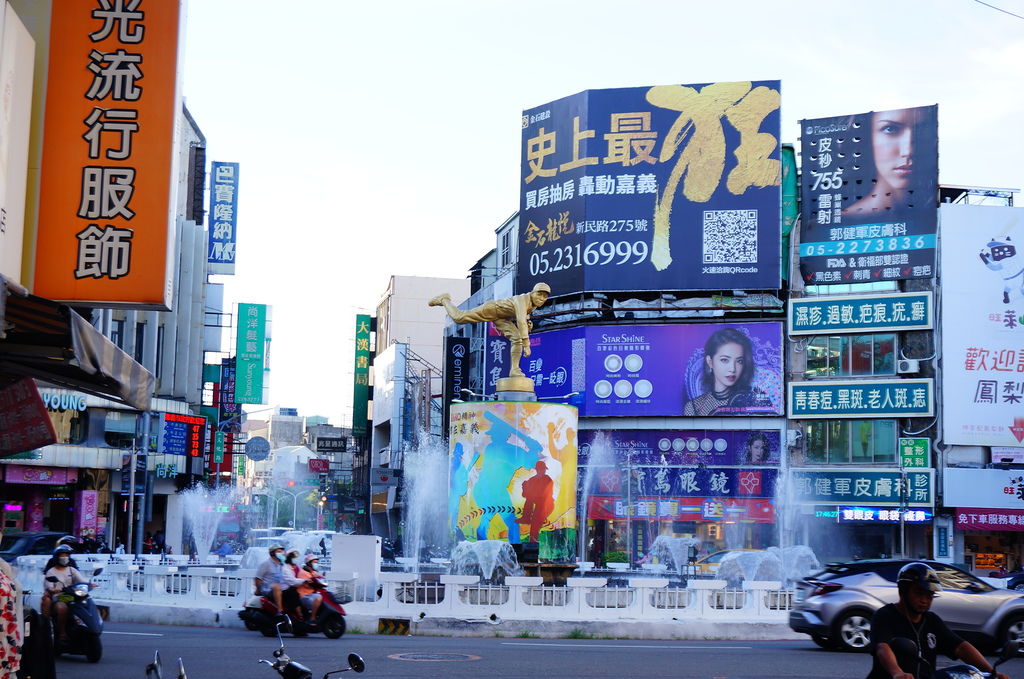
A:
[908, 366]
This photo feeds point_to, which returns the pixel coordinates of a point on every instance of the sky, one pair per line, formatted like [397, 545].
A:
[383, 138]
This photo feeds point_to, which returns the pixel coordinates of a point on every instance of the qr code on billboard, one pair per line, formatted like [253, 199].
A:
[730, 236]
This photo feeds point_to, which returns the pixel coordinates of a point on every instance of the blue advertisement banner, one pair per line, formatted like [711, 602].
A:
[863, 486]
[880, 515]
[680, 447]
[229, 412]
[869, 190]
[674, 187]
[698, 482]
[861, 398]
[861, 313]
[223, 217]
[693, 370]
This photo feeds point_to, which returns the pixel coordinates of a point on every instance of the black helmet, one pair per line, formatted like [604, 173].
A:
[68, 540]
[921, 575]
[275, 547]
[62, 549]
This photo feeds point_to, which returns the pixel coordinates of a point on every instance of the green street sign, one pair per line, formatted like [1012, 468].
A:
[915, 453]
[311, 482]
[218, 447]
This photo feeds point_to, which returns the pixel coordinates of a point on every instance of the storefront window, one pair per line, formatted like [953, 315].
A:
[71, 425]
[851, 356]
[119, 429]
[851, 441]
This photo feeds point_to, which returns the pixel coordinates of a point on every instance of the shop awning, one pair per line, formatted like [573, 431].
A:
[50, 341]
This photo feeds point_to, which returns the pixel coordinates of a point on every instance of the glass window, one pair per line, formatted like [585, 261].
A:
[117, 332]
[851, 356]
[884, 442]
[851, 441]
[816, 438]
[71, 425]
[119, 429]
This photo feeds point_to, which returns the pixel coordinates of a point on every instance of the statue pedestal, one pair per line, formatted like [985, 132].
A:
[515, 384]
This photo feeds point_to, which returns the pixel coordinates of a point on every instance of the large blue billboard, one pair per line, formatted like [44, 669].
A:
[675, 187]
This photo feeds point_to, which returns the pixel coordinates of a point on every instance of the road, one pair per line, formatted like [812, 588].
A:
[232, 654]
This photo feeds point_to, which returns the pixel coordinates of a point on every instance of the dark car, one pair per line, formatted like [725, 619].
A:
[26, 543]
[835, 606]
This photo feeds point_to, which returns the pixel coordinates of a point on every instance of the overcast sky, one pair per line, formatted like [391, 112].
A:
[381, 138]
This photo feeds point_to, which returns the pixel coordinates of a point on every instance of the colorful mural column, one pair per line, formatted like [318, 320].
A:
[513, 474]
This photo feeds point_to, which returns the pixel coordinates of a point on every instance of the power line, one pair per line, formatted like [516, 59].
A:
[999, 9]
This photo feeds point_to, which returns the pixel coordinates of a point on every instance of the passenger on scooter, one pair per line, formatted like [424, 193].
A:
[295, 578]
[311, 599]
[270, 576]
[66, 575]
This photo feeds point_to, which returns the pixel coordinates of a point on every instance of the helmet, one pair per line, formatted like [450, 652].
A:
[62, 549]
[274, 547]
[921, 575]
[67, 540]
[290, 553]
[311, 557]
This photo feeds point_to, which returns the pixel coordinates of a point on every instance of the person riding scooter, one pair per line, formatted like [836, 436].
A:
[308, 591]
[66, 575]
[295, 578]
[269, 578]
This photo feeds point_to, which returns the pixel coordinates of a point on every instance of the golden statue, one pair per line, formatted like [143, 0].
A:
[511, 316]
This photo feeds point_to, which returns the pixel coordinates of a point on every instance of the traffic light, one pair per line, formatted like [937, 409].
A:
[291, 483]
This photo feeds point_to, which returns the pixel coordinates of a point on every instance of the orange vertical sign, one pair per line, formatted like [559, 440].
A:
[107, 209]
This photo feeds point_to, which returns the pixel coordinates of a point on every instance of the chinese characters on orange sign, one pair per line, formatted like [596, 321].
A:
[106, 208]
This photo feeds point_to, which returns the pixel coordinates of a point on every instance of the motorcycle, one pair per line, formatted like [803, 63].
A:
[906, 649]
[260, 614]
[84, 624]
[289, 669]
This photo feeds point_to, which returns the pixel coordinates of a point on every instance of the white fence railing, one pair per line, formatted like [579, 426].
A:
[457, 596]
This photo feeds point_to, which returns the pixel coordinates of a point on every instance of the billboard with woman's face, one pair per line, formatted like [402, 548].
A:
[693, 369]
[869, 191]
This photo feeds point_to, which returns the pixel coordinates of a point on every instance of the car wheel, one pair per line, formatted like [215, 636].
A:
[852, 630]
[823, 642]
[1019, 587]
[1012, 629]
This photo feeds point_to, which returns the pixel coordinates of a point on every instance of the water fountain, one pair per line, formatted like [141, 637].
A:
[783, 564]
[599, 457]
[425, 501]
[203, 508]
[673, 552]
[493, 560]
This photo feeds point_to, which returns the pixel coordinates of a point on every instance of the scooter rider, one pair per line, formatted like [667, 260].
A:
[910, 618]
[270, 576]
[311, 599]
[294, 579]
[66, 575]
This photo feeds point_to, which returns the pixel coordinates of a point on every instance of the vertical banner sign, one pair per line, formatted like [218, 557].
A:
[249, 353]
[869, 188]
[218, 447]
[223, 217]
[456, 373]
[107, 191]
[229, 413]
[239, 465]
[675, 187]
[982, 325]
[915, 453]
[361, 376]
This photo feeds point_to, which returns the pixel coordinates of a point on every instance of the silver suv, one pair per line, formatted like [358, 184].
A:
[836, 605]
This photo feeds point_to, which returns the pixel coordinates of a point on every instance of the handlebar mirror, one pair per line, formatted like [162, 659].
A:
[97, 572]
[181, 668]
[355, 662]
[52, 578]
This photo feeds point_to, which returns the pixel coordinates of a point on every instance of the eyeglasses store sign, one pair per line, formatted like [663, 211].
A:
[862, 486]
[860, 313]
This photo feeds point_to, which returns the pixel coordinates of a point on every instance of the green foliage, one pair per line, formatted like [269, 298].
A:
[577, 633]
[615, 557]
[527, 634]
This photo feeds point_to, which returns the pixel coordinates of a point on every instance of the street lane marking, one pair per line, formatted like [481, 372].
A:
[726, 648]
[136, 634]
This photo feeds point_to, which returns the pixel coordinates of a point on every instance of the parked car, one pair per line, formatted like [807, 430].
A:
[835, 606]
[1015, 581]
[24, 543]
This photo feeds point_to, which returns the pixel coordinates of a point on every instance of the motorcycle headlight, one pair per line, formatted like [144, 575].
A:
[81, 590]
